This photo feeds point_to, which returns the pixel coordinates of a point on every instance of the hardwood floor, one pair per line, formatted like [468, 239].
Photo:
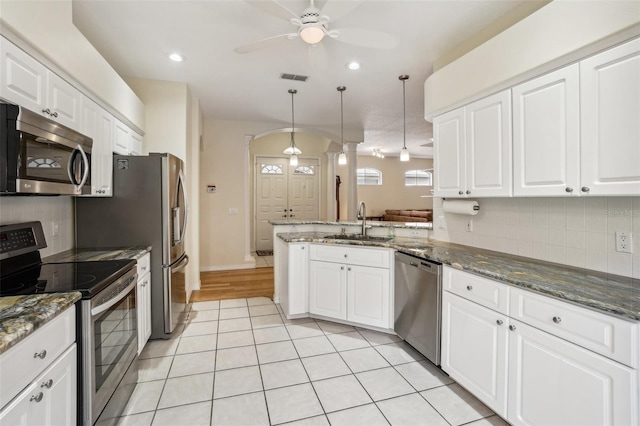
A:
[234, 284]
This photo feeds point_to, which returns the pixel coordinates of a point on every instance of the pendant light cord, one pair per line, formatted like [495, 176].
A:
[293, 125]
[404, 115]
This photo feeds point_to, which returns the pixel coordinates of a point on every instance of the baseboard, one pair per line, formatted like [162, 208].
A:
[227, 267]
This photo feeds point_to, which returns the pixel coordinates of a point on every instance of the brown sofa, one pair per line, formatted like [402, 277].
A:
[425, 215]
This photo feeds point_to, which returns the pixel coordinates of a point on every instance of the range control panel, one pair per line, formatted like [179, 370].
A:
[21, 238]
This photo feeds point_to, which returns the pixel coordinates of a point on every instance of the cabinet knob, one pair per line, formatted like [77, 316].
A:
[346, 256]
[302, 248]
[499, 322]
[55, 114]
[568, 189]
[46, 111]
[342, 268]
[557, 320]
[460, 192]
[47, 384]
[469, 287]
[468, 192]
[512, 327]
[348, 269]
[36, 398]
[585, 189]
[144, 283]
[40, 354]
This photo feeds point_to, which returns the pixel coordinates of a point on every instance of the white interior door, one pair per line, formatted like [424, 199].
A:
[284, 192]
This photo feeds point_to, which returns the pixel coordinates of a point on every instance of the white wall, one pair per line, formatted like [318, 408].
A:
[48, 210]
[571, 231]
[48, 29]
[558, 33]
[393, 194]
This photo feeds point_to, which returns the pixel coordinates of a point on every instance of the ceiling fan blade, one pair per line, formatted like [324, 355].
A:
[275, 8]
[264, 43]
[317, 56]
[367, 38]
[337, 9]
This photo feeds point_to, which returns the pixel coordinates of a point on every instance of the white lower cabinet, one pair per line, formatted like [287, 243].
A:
[353, 290]
[474, 349]
[294, 298]
[143, 300]
[546, 372]
[554, 382]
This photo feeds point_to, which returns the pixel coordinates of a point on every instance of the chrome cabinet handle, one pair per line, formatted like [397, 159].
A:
[36, 398]
[469, 287]
[348, 269]
[468, 192]
[557, 320]
[512, 327]
[342, 268]
[568, 189]
[585, 189]
[47, 111]
[460, 192]
[40, 354]
[54, 114]
[499, 322]
[47, 384]
[346, 256]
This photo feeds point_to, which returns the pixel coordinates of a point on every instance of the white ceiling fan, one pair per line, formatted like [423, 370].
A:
[313, 26]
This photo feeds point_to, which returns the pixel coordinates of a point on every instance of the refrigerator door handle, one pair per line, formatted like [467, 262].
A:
[180, 220]
[181, 264]
[185, 204]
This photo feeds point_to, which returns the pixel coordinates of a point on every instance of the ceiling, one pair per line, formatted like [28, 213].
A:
[136, 38]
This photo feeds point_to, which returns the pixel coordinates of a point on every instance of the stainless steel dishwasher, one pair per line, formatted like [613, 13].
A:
[418, 304]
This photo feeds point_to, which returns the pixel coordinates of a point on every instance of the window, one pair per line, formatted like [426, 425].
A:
[369, 177]
[304, 170]
[271, 169]
[418, 178]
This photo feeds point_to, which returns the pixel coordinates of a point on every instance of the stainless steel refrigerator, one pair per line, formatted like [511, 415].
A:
[148, 208]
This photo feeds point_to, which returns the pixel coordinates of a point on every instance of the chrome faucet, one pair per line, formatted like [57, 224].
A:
[362, 212]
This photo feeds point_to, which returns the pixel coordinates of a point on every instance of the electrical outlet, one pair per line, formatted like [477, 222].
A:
[55, 229]
[441, 223]
[468, 225]
[623, 242]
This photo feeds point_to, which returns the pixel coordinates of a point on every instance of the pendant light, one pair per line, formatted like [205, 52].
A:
[342, 158]
[404, 153]
[292, 149]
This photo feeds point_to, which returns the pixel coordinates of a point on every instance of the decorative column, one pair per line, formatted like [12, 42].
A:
[330, 214]
[247, 201]
[352, 183]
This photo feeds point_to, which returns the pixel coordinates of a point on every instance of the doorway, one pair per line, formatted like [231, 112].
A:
[284, 192]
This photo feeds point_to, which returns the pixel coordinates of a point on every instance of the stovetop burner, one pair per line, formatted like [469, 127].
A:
[86, 277]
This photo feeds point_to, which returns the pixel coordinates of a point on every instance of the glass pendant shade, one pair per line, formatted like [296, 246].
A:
[293, 160]
[342, 159]
[404, 154]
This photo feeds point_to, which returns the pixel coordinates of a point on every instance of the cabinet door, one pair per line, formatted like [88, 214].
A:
[328, 289]
[474, 349]
[143, 297]
[121, 138]
[22, 79]
[554, 382]
[51, 399]
[448, 156]
[298, 301]
[368, 298]
[546, 135]
[98, 125]
[488, 146]
[64, 101]
[610, 107]
[135, 144]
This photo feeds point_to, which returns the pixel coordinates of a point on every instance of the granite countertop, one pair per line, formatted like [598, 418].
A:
[22, 315]
[94, 254]
[373, 223]
[608, 293]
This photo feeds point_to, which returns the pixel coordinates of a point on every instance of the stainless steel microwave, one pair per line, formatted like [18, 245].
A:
[40, 156]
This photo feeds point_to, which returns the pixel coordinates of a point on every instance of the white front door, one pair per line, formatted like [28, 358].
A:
[284, 192]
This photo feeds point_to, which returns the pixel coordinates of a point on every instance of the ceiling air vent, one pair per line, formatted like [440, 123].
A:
[293, 77]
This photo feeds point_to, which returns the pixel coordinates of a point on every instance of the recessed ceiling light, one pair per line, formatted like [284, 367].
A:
[176, 57]
[353, 65]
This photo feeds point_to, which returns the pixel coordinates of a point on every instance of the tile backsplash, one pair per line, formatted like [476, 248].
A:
[49, 211]
[572, 231]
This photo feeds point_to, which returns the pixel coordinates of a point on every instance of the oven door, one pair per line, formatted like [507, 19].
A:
[110, 343]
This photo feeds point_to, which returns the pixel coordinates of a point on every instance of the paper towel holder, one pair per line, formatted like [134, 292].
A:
[475, 208]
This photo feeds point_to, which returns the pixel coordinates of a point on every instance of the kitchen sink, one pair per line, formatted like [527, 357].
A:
[357, 237]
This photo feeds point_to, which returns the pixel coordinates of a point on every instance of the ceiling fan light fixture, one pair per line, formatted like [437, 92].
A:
[404, 152]
[312, 33]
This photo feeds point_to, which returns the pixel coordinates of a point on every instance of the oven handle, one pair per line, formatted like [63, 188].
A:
[101, 308]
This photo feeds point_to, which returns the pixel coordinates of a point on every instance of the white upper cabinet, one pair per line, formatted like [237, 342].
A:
[472, 149]
[546, 135]
[610, 117]
[98, 125]
[26, 82]
[125, 140]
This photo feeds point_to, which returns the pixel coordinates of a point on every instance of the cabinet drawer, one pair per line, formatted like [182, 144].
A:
[21, 364]
[486, 292]
[612, 337]
[144, 265]
[377, 257]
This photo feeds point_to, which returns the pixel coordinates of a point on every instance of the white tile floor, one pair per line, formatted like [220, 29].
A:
[240, 362]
